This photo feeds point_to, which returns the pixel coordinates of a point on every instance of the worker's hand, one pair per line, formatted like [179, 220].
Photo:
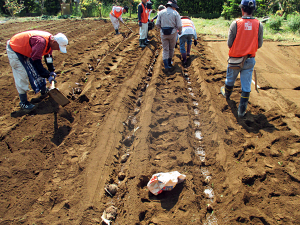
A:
[140, 24]
[152, 20]
[53, 74]
[50, 79]
[195, 42]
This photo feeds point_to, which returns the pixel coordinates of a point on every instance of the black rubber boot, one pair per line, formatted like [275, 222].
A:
[226, 91]
[146, 42]
[142, 43]
[243, 104]
[117, 31]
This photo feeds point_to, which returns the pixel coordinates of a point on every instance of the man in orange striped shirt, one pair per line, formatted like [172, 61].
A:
[245, 37]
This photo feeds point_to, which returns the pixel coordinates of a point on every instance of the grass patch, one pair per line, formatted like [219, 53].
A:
[220, 27]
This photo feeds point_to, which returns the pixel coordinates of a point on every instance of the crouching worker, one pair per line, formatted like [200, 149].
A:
[25, 51]
[188, 33]
[116, 15]
[245, 37]
[160, 8]
[143, 14]
[169, 22]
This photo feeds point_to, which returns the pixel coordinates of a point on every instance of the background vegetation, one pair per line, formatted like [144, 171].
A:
[281, 17]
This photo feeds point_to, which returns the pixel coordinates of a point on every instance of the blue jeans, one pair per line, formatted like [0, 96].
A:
[187, 38]
[246, 75]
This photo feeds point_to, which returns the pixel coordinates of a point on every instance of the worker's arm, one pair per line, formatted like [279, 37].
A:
[232, 34]
[38, 45]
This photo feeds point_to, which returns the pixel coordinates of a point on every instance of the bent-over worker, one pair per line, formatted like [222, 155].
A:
[188, 33]
[25, 51]
[116, 15]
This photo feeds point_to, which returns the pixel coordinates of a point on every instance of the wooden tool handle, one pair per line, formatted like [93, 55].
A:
[53, 84]
[255, 80]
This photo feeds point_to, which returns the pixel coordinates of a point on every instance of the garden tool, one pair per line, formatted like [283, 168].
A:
[255, 80]
[57, 95]
[126, 25]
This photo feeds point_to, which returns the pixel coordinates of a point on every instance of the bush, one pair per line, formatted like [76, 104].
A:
[275, 22]
[231, 9]
[90, 8]
[106, 9]
[293, 22]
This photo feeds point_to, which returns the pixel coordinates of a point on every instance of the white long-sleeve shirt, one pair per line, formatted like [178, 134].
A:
[117, 9]
[189, 30]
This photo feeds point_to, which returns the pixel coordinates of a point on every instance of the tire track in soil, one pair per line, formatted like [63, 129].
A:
[165, 138]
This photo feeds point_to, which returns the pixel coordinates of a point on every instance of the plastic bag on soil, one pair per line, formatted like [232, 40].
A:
[164, 181]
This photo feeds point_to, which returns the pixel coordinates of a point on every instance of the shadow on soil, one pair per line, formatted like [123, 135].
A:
[168, 199]
[49, 106]
[251, 123]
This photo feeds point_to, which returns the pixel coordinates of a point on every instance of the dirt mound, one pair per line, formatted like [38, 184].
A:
[129, 120]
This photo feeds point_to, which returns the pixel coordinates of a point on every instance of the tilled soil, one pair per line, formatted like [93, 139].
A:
[127, 120]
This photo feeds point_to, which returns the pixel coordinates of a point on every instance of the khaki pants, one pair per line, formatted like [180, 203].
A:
[168, 44]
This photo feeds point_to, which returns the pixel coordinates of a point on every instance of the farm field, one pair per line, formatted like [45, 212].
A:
[130, 121]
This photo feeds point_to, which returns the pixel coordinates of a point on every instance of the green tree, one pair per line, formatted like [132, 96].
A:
[13, 7]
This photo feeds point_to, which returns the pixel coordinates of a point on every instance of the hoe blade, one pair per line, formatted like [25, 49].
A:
[58, 97]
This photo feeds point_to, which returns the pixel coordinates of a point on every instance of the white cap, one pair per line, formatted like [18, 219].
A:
[62, 40]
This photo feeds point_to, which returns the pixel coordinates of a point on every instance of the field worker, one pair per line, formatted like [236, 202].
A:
[116, 15]
[149, 7]
[169, 22]
[188, 33]
[245, 37]
[160, 8]
[143, 14]
[25, 51]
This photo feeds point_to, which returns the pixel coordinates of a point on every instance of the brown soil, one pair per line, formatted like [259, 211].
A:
[56, 161]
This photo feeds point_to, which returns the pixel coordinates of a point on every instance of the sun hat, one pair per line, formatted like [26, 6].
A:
[185, 17]
[250, 3]
[62, 40]
[161, 7]
[173, 3]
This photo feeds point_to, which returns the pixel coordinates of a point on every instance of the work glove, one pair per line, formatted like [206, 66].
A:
[140, 24]
[152, 20]
[195, 42]
[53, 74]
[51, 78]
